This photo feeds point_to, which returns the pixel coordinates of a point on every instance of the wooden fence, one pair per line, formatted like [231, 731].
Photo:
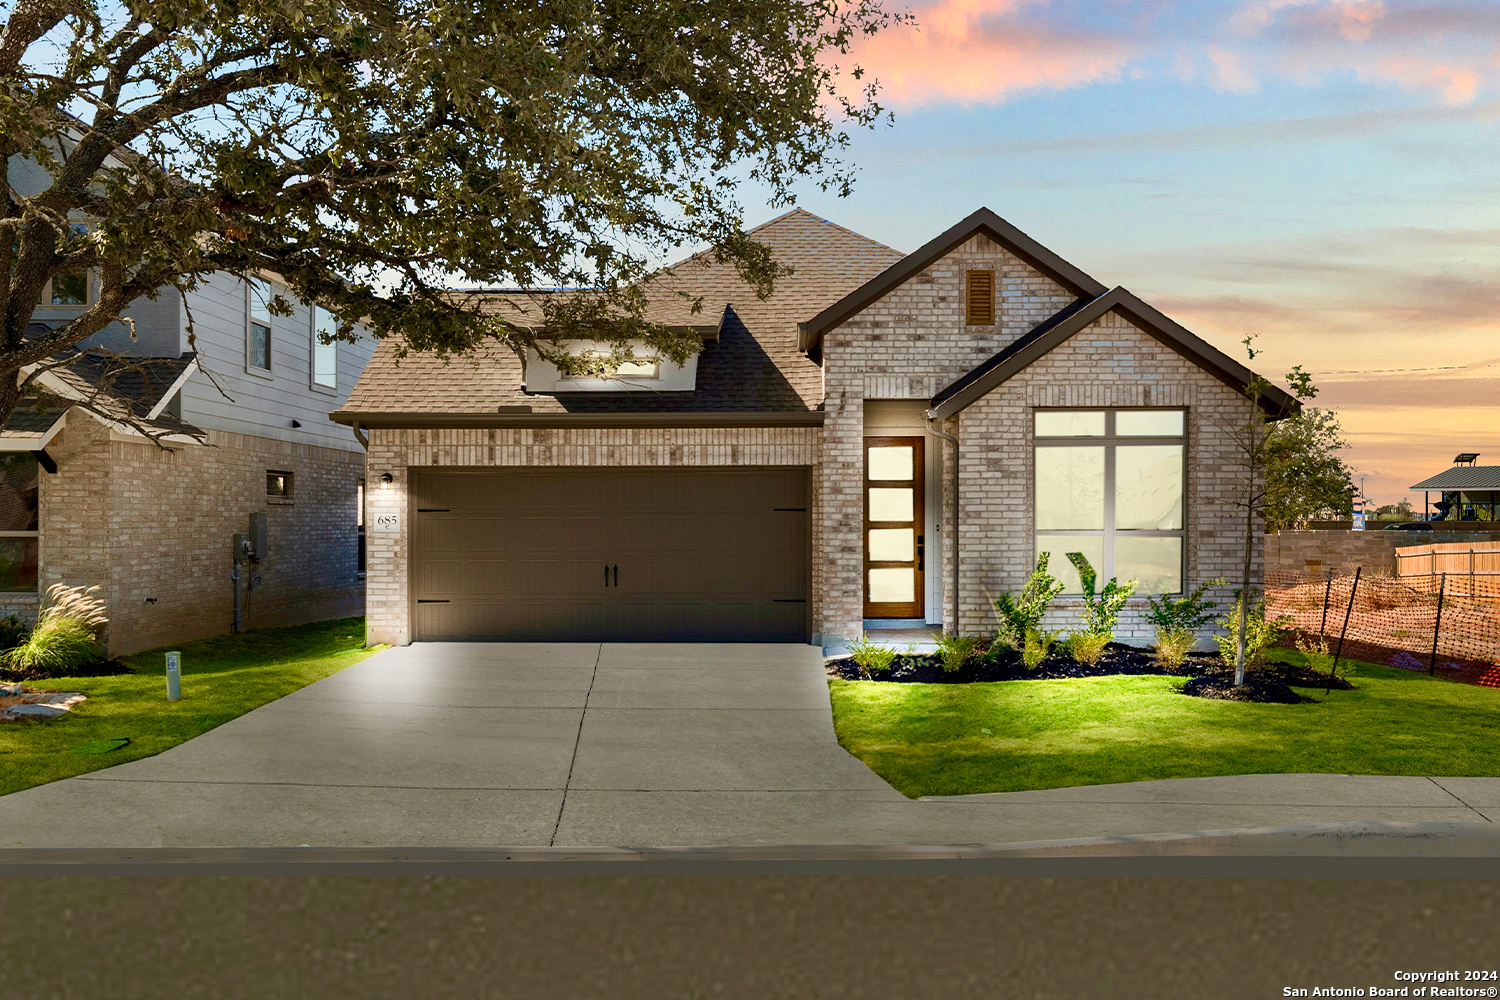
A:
[1470, 568]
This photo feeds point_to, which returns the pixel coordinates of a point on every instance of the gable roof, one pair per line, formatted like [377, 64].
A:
[1032, 346]
[749, 363]
[982, 222]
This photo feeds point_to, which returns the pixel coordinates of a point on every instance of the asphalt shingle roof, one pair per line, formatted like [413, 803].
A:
[754, 366]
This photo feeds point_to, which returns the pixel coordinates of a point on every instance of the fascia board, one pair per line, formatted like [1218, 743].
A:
[166, 397]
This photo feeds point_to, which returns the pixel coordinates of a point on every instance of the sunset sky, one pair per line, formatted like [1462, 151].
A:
[1322, 173]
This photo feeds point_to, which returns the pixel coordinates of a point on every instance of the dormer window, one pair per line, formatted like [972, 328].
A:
[979, 298]
[641, 369]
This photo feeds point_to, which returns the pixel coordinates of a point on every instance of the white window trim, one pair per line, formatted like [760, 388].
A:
[268, 374]
[312, 357]
[1108, 441]
[90, 284]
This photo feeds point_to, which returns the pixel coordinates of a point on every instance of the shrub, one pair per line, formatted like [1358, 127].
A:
[871, 657]
[1017, 618]
[1173, 645]
[12, 632]
[955, 650]
[1036, 647]
[1087, 647]
[1319, 657]
[66, 636]
[1101, 612]
[1189, 612]
[1260, 634]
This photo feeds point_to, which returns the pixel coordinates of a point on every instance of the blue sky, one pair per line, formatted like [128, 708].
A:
[1321, 173]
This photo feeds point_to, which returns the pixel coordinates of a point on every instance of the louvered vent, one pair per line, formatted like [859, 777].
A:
[981, 298]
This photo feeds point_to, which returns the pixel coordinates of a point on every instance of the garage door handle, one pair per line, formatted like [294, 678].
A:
[606, 574]
[421, 600]
[617, 575]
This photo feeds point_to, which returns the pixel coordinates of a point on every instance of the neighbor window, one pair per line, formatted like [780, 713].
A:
[979, 298]
[278, 486]
[325, 366]
[18, 521]
[259, 334]
[1109, 484]
[359, 523]
[68, 289]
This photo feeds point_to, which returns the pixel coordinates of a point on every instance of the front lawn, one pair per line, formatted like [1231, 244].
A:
[222, 678]
[955, 739]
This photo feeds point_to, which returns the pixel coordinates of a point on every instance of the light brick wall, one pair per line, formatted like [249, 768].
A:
[397, 451]
[909, 344]
[1340, 551]
[1108, 363]
[143, 523]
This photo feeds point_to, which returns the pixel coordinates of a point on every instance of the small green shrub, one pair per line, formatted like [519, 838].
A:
[1101, 611]
[955, 650]
[12, 632]
[1037, 647]
[1017, 617]
[1189, 612]
[66, 636]
[1173, 645]
[1319, 657]
[1087, 647]
[1260, 634]
[871, 658]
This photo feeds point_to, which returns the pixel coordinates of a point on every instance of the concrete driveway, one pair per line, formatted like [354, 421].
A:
[479, 745]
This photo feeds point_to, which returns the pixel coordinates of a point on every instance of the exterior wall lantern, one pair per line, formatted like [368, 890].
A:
[385, 481]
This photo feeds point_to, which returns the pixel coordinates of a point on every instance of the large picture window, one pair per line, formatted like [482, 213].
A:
[1109, 484]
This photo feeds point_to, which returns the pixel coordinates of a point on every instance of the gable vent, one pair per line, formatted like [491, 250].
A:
[980, 298]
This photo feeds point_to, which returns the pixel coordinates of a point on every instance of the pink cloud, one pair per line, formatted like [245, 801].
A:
[984, 51]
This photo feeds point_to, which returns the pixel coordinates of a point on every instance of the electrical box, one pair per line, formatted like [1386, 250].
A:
[240, 547]
[258, 549]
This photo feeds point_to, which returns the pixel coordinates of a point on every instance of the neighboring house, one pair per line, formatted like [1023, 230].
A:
[87, 498]
[788, 485]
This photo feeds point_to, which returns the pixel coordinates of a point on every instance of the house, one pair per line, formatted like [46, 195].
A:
[153, 452]
[805, 476]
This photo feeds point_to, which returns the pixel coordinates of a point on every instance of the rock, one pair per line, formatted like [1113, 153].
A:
[36, 711]
[11, 690]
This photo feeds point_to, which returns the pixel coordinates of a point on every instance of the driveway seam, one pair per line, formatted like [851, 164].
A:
[1476, 812]
[557, 824]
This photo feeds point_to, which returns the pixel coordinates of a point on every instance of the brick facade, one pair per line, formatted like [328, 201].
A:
[153, 527]
[909, 344]
[913, 342]
[396, 451]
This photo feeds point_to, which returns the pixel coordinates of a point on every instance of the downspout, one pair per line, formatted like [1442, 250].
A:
[932, 428]
[361, 437]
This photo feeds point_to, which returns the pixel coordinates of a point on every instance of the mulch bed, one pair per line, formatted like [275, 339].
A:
[1206, 674]
[104, 668]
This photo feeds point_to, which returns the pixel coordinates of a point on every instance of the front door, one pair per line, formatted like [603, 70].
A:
[893, 527]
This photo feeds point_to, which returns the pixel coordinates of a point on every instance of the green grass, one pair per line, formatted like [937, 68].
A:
[954, 739]
[222, 678]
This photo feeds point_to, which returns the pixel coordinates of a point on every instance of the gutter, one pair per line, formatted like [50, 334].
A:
[932, 428]
[522, 417]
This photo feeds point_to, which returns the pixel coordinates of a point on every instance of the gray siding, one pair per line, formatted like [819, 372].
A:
[257, 404]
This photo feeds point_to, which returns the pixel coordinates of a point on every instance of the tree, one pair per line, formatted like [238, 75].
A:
[1254, 437]
[369, 153]
[1304, 474]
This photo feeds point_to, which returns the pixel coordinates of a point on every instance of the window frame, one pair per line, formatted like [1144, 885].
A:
[312, 357]
[1109, 441]
[251, 368]
[288, 496]
[655, 375]
[90, 280]
[35, 534]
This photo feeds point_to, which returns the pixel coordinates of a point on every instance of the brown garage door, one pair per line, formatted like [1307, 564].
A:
[579, 555]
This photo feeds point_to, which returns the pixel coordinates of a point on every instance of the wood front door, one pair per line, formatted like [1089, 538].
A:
[893, 541]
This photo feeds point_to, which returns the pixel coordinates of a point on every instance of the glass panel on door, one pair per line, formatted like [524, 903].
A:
[893, 527]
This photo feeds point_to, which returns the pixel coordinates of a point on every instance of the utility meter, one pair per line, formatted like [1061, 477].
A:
[258, 547]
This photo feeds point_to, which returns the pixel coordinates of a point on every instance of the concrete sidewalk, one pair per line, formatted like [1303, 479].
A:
[484, 745]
